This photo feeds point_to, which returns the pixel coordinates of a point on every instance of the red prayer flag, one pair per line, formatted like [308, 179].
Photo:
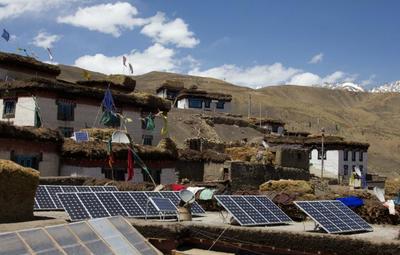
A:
[130, 166]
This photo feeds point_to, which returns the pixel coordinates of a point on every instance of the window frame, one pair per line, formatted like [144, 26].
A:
[320, 154]
[67, 115]
[353, 156]
[207, 104]
[191, 100]
[361, 156]
[220, 105]
[11, 114]
[146, 138]
[345, 155]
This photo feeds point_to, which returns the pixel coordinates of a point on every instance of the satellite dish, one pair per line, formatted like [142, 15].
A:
[266, 146]
[380, 194]
[358, 171]
[187, 196]
[120, 137]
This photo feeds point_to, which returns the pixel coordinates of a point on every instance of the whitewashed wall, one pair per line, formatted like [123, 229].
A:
[69, 170]
[350, 163]
[331, 164]
[24, 112]
[184, 104]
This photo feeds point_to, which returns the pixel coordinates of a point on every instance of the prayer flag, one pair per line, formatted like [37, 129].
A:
[130, 165]
[124, 60]
[164, 130]
[50, 54]
[108, 101]
[130, 68]
[110, 153]
[6, 35]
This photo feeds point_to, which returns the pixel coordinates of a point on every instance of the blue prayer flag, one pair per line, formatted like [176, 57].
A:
[108, 101]
[6, 35]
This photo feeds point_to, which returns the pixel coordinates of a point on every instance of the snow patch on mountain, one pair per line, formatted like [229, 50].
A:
[388, 87]
[348, 86]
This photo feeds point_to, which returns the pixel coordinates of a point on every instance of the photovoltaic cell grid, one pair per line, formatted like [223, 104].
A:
[253, 210]
[100, 236]
[46, 195]
[333, 216]
[90, 205]
[163, 204]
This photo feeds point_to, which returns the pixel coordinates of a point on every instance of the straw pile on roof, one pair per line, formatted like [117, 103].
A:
[173, 85]
[97, 150]
[264, 121]
[29, 133]
[120, 83]
[392, 187]
[102, 134]
[314, 141]
[194, 92]
[18, 62]
[65, 88]
[17, 188]
[250, 154]
[202, 156]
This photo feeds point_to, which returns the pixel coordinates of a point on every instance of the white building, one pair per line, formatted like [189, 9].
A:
[169, 90]
[202, 100]
[339, 162]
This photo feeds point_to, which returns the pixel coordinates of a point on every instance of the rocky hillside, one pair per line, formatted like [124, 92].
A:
[361, 116]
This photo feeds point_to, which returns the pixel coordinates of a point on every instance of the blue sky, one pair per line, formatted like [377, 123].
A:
[250, 43]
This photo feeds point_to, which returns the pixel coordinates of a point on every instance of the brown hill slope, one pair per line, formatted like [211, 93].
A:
[365, 117]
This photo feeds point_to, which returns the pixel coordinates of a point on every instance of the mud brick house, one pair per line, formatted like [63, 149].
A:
[68, 107]
[269, 125]
[341, 157]
[37, 148]
[170, 89]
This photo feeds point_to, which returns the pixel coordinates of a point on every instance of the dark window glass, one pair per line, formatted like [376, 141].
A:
[27, 161]
[66, 131]
[119, 173]
[319, 154]
[65, 110]
[353, 155]
[361, 169]
[155, 173]
[147, 140]
[345, 170]
[8, 108]
[220, 105]
[345, 155]
[361, 156]
[195, 103]
[207, 104]
[310, 155]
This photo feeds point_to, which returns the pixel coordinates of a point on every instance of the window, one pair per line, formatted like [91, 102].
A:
[155, 173]
[65, 110]
[319, 154]
[147, 139]
[345, 170]
[361, 156]
[220, 104]
[195, 103]
[361, 169]
[345, 155]
[66, 131]
[8, 108]
[207, 103]
[119, 173]
[353, 155]
[27, 161]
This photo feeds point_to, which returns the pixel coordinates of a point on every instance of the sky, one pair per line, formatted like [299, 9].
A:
[254, 43]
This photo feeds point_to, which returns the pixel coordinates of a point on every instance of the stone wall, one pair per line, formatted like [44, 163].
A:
[244, 175]
[292, 157]
[194, 171]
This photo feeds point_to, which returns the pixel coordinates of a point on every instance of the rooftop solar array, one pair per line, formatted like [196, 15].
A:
[333, 216]
[46, 195]
[163, 204]
[253, 210]
[99, 236]
[90, 205]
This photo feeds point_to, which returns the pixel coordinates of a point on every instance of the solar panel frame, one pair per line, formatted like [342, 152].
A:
[43, 199]
[81, 136]
[234, 209]
[93, 205]
[129, 203]
[53, 190]
[74, 206]
[111, 203]
[273, 208]
[141, 199]
[163, 204]
[323, 213]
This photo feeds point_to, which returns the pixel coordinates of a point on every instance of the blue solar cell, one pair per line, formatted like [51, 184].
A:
[69, 189]
[276, 212]
[234, 209]
[163, 204]
[93, 205]
[111, 203]
[53, 190]
[82, 136]
[130, 205]
[333, 216]
[141, 199]
[83, 189]
[110, 188]
[43, 198]
[171, 196]
[73, 206]
[96, 188]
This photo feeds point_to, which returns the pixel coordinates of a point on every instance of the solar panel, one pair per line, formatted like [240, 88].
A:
[53, 190]
[81, 136]
[39, 242]
[141, 199]
[96, 188]
[253, 210]
[69, 189]
[43, 198]
[83, 189]
[195, 209]
[112, 205]
[93, 205]
[163, 204]
[11, 244]
[333, 216]
[67, 240]
[110, 188]
[73, 206]
[129, 204]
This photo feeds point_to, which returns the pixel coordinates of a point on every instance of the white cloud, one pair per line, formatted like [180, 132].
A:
[308, 79]
[45, 40]
[155, 58]
[169, 32]
[368, 81]
[15, 8]
[316, 59]
[255, 76]
[106, 18]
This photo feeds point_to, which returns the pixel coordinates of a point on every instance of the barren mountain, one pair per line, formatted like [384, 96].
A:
[361, 116]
